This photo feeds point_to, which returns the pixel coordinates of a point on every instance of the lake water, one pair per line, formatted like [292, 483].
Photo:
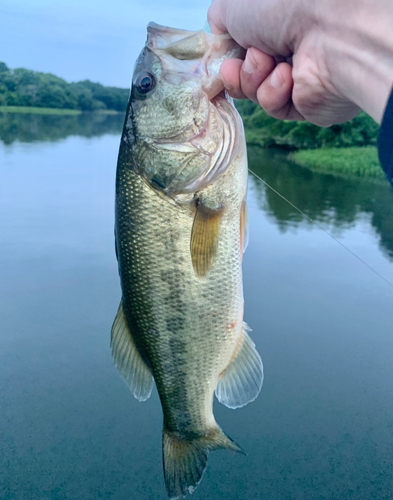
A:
[322, 427]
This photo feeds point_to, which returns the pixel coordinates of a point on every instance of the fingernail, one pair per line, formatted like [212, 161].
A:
[276, 80]
[249, 65]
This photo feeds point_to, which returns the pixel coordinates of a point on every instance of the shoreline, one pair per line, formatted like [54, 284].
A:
[53, 111]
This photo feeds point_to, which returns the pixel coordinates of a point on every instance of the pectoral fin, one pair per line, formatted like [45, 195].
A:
[244, 227]
[241, 381]
[128, 360]
[204, 238]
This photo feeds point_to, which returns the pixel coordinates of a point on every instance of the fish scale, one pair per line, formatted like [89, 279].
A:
[159, 284]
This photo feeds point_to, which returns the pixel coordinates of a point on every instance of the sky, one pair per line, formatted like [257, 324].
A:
[97, 40]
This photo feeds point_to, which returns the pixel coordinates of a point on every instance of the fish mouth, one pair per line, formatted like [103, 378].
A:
[183, 53]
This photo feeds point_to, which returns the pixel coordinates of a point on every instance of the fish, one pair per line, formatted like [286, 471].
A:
[180, 231]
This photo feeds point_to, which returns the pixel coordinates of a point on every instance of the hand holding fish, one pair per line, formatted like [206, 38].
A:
[319, 61]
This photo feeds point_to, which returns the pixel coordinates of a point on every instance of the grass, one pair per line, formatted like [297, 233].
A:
[360, 161]
[109, 111]
[50, 111]
[38, 111]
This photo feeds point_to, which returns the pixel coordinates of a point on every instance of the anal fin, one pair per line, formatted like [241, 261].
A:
[128, 360]
[241, 382]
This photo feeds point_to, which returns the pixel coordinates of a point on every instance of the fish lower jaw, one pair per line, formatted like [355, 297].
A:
[216, 101]
[220, 96]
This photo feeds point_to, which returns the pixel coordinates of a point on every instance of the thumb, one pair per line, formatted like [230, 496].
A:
[216, 17]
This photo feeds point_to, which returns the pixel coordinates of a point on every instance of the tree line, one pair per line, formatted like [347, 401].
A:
[23, 87]
[263, 130]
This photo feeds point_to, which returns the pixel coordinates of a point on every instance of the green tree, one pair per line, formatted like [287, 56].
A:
[263, 130]
[23, 87]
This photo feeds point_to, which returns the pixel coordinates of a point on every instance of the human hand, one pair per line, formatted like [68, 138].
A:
[321, 60]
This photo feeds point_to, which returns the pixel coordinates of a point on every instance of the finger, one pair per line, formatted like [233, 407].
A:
[256, 67]
[215, 17]
[275, 94]
[230, 74]
[291, 113]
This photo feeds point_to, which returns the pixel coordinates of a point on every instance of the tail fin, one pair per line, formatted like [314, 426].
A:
[185, 459]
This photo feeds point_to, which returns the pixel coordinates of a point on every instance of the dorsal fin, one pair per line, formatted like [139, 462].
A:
[241, 382]
[128, 360]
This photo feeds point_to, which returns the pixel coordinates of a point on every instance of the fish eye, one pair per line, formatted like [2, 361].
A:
[145, 83]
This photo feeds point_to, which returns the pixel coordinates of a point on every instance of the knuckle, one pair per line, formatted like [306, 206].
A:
[273, 102]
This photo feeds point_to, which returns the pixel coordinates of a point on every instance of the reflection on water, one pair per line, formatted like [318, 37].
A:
[69, 428]
[333, 201]
[30, 127]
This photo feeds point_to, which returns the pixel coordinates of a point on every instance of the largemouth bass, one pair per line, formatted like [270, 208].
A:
[181, 229]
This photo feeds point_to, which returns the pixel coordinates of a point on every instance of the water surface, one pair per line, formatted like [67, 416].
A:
[322, 427]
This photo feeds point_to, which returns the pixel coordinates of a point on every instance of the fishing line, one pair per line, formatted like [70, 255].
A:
[324, 230]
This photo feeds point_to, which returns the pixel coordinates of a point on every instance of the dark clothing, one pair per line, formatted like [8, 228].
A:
[385, 140]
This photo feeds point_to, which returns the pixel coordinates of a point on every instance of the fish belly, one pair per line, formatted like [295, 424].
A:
[186, 328]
